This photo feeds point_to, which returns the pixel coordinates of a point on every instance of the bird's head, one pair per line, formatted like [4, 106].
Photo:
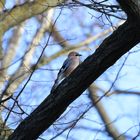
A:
[71, 54]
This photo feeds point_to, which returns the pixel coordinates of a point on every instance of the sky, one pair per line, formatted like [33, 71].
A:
[123, 109]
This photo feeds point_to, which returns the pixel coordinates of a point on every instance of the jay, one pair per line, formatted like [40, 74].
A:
[68, 66]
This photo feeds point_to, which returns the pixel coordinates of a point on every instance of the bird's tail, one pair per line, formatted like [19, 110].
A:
[59, 79]
[56, 83]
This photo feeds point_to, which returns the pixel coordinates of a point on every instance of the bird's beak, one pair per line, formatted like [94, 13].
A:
[78, 54]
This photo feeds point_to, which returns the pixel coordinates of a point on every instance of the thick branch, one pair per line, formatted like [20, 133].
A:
[112, 48]
[121, 41]
[132, 9]
[22, 12]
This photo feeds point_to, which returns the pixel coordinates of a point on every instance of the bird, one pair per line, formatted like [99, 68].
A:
[72, 61]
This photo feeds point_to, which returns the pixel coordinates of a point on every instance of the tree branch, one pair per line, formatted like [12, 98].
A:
[112, 48]
[109, 125]
[132, 9]
[72, 87]
[22, 12]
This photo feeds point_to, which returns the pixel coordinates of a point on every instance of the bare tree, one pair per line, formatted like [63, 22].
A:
[33, 121]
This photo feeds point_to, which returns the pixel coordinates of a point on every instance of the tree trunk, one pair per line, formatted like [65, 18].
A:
[112, 48]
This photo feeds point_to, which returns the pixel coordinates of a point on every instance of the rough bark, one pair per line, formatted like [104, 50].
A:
[112, 48]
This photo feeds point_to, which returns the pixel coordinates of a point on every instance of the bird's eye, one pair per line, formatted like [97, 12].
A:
[78, 54]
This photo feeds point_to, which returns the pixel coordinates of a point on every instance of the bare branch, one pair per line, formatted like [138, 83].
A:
[111, 129]
[72, 87]
[22, 12]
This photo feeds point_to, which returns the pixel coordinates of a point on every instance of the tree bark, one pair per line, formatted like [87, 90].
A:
[112, 48]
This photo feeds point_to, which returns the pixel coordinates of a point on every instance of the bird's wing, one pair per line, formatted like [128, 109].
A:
[67, 65]
[64, 67]
[61, 72]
